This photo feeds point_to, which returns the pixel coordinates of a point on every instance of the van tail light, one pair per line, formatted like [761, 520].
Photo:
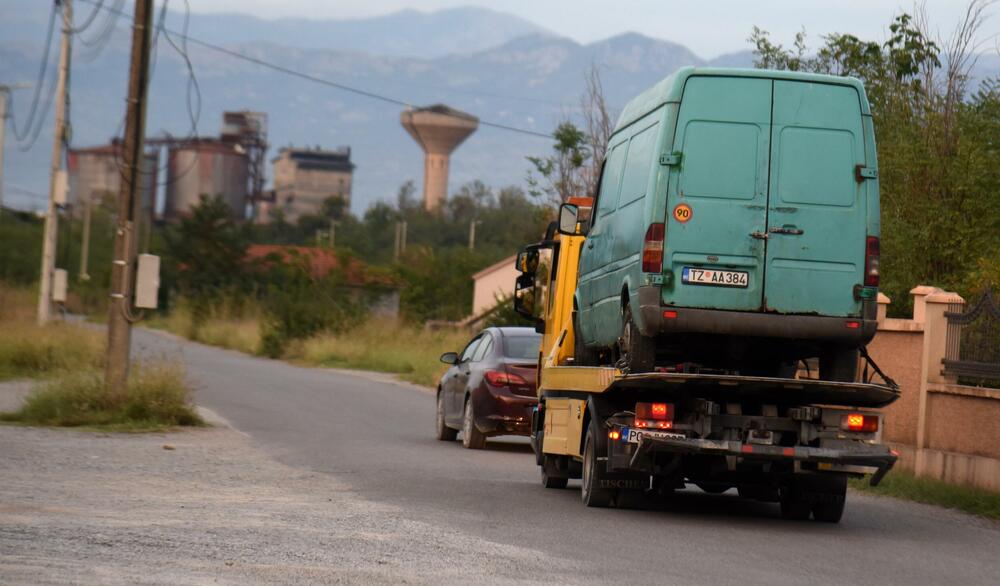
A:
[654, 415]
[652, 249]
[859, 422]
[871, 261]
[497, 378]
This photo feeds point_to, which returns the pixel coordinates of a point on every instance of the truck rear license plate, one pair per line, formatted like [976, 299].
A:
[716, 277]
[633, 436]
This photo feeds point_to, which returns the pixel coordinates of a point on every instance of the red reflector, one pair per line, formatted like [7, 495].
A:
[654, 411]
[853, 325]
[788, 452]
[670, 314]
[859, 422]
[871, 261]
[746, 449]
[652, 249]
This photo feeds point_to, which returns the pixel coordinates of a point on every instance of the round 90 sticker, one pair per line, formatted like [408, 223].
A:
[682, 213]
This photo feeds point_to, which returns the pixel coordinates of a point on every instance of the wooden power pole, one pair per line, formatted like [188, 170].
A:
[51, 217]
[119, 312]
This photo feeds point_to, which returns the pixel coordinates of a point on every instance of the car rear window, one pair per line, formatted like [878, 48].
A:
[523, 347]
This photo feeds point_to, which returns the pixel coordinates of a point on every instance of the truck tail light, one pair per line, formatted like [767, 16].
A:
[497, 378]
[654, 415]
[652, 249]
[859, 422]
[871, 261]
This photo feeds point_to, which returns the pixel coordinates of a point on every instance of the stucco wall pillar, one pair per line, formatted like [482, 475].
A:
[933, 307]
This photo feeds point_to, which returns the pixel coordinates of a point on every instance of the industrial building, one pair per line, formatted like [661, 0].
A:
[305, 178]
[207, 167]
[95, 173]
[438, 129]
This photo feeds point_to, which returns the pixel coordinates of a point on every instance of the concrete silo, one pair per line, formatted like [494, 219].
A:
[206, 167]
[438, 130]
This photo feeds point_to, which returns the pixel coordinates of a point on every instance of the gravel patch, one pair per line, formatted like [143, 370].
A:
[207, 506]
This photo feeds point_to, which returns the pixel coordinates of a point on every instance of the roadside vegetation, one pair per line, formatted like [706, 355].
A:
[904, 485]
[157, 398]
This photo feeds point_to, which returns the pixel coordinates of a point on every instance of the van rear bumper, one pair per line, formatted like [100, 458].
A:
[751, 323]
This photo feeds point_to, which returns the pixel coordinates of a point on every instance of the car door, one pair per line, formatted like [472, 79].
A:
[455, 397]
[817, 210]
[716, 210]
[596, 252]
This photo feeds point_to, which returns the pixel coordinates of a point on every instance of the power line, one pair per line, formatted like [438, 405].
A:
[23, 133]
[313, 78]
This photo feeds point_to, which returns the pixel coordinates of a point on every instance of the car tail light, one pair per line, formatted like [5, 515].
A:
[859, 422]
[498, 378]
[871, 261]
[652, 249]
[654, 415]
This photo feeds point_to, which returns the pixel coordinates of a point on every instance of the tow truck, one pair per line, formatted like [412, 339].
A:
[630, 436]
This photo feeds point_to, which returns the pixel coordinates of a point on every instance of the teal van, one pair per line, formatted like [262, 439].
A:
[735, 227]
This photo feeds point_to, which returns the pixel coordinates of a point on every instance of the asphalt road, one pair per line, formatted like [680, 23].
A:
[377, 437]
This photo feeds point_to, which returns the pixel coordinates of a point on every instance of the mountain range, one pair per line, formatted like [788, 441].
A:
[498, 67]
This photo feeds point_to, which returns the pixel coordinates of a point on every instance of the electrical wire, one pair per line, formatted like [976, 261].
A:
[89, 20]
[319, 80]
[22, 134]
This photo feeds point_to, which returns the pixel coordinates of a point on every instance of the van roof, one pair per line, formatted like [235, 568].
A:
[670, 88]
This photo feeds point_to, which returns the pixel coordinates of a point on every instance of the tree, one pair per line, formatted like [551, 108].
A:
[563, 174]
[599, 126]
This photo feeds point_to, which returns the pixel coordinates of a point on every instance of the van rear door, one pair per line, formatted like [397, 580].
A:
[720, 197]
[817, 213]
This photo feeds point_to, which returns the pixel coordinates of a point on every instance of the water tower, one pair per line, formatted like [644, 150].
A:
[439, 130]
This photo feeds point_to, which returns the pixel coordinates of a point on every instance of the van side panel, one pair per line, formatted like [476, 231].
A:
[817, 211]
[723, 134]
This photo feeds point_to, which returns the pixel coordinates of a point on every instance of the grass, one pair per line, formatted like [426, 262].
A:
[904, 485]
[240, 332]
[157, 398]
[28, 350]
[383, 345]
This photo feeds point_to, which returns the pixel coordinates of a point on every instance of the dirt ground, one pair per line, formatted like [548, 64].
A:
[206, 506]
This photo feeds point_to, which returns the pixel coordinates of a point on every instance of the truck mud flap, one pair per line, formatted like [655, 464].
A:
[879, 457]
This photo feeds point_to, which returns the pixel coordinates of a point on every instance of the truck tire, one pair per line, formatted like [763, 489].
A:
[829, 504]
[444, 433]
[551, 477]
[839, 365]
[794, 505]
[638, 352]
[472, 438]
[591, 492]
[582, 355]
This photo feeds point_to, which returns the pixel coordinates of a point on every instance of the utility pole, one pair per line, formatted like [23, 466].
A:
[119, 320]
[4, 94]
[472, 233]
[85, 245]
[51, 219]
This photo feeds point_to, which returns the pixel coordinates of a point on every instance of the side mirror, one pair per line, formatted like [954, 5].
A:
[524, 297]
[568, 219]
[450, 358]
[527, 261]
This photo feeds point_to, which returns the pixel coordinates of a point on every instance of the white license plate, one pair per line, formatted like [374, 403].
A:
[716, 277]
[633, 436]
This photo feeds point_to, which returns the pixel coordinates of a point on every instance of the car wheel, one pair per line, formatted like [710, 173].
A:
[444, 433]
[591, 492]
[839, 365]
[637, 352]
[472, 438]
[582, 355]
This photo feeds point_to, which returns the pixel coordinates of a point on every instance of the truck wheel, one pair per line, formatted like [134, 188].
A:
[794, 505]
[829, 504]
[839, 365]
[551, 478]
[638, 352]
[472, 438]
[444, 433]
[630, 498]
[591, 491]
[582, 355]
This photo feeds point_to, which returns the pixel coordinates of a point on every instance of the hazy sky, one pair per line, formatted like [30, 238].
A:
[708, 27]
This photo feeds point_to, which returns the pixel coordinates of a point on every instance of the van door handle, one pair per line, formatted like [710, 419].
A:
[792, 230]
[759, 235]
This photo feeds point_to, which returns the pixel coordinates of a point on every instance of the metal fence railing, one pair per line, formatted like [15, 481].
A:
[972, 351]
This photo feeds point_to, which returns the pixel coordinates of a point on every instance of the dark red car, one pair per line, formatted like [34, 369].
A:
[490, 388]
